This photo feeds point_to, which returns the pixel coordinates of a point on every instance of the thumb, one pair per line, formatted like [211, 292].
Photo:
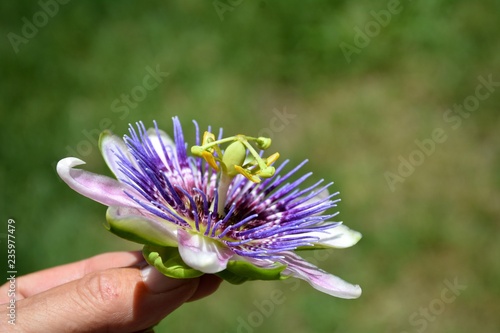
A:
[114, 300]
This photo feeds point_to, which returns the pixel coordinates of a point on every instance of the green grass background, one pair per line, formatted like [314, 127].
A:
[352, 121]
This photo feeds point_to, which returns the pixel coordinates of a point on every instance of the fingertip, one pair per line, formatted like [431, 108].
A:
[209, 283]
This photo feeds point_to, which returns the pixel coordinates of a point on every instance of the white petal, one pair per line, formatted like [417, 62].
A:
[161, 143]
[319, 279]
[203, 253]
[110, 146]
[337, 237]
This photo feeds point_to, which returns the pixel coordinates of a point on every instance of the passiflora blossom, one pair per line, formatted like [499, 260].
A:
[224, 210]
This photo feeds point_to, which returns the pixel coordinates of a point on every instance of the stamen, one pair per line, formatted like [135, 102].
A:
[223, 221]
[232, 161]
[209, 223]
[210, 160]
[237, 225]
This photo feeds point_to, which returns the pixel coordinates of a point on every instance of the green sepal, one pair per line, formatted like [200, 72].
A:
[135, 229]
[238, 272]
[231, 277]
[168, 261]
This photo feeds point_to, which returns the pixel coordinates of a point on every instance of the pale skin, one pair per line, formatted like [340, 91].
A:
[105, 293]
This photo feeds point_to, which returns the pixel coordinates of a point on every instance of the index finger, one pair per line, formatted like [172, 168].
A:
[37, 282]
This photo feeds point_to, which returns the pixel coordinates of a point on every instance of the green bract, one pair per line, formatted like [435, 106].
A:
[169, 262]
[241, 271]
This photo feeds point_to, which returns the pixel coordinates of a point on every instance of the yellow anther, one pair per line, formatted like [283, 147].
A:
[247, 174]
[273, 158]
[210, 160]
[208, 138]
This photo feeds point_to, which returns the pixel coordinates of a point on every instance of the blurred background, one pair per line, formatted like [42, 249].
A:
[395, 101]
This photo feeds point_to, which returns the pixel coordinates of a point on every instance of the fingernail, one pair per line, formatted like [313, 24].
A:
[158, 283]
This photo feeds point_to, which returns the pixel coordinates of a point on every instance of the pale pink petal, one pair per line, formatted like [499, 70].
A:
[317, 278]
[203, 253]
[100, 188]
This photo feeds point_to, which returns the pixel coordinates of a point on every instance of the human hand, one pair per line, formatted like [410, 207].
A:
[111, 292]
